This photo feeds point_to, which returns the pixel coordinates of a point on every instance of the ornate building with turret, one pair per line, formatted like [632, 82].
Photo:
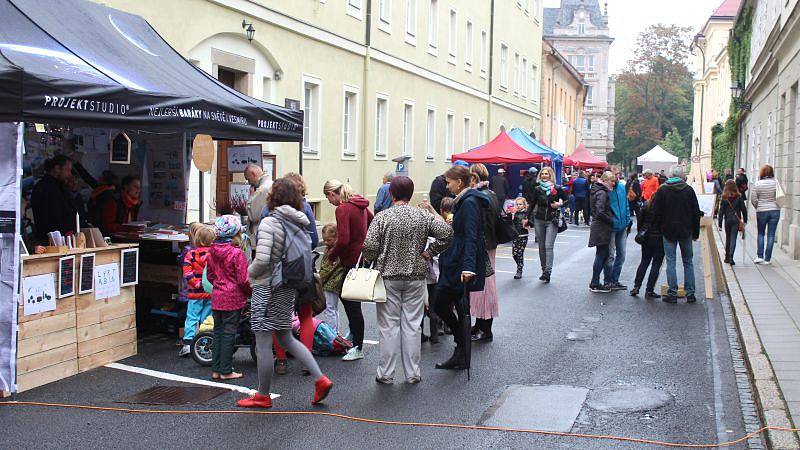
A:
[578, 29]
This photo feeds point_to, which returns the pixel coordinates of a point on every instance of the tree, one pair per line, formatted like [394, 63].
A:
[674, 144]
[654, 95]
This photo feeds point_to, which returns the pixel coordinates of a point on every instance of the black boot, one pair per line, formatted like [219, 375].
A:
[434, 328]
[456, 362]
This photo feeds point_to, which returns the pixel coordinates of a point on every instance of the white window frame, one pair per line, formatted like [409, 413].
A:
[515, 84]
[314, 151]
[354, 9]
[433, 27]
[590, 64]
[411, 22]
[381, 128]
[484, 52]
[589, 95]
[580, 67]
[534, 84]
[350, 148]
[503, 66]
[408, 129]
[465, 136]
[450, 134]
[430, 134]
[452, 35]
[468, 46]
[523, 82]
[481, 132]
[385, 16]
[581, 26]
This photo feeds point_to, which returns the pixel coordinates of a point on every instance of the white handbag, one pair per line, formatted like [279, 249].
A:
[780, 196]
[363, 284]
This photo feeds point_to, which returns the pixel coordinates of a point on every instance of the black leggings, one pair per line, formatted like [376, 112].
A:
[652, 252]
[445, 300]
[356, 320]
[731, 233]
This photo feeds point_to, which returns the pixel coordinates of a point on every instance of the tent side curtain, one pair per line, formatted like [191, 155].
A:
[501, 150]
[110, 68]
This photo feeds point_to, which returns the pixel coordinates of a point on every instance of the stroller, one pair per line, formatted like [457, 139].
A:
[203, 342]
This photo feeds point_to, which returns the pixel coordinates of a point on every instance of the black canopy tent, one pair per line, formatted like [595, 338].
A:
[78, 63]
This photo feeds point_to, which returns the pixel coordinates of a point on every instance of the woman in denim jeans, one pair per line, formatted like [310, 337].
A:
[768, 212]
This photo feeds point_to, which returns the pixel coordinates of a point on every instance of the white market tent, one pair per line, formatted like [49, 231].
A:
[657, 159]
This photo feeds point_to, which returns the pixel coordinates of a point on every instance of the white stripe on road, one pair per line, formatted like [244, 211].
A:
[367, 341]
[182, 379]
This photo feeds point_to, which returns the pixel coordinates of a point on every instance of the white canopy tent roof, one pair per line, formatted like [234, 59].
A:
[657, 155]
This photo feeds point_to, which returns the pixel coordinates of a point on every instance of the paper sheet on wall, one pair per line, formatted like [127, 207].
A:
[106, 281]
[40, 294]
[706, 203]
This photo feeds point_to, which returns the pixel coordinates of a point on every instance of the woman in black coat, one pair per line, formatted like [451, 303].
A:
[600, 230]
[463, 264]
[547, 199]
[652, 251]
[732, 211]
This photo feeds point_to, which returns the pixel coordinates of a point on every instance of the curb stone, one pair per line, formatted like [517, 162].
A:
[771, 404]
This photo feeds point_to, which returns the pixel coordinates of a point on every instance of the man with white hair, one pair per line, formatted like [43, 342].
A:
[384, 200]
[677, 213]
[260, 183]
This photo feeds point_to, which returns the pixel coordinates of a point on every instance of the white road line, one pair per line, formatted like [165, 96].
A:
[367, 341]
[182, 379]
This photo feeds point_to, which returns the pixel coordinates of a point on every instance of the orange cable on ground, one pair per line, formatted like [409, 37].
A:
[400, 423]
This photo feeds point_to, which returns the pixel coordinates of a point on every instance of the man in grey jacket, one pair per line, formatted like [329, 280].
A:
[260, 184]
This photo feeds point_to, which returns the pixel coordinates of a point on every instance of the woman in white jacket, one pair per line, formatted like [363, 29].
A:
[768, 213]
[271, 307]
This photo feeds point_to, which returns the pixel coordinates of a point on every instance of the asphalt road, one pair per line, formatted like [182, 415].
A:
[651, 350]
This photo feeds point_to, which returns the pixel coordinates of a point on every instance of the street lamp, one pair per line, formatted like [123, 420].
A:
[738, 97]
[249, 30]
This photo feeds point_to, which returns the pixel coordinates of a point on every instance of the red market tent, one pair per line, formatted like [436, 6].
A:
[582, 158]
[501, 150]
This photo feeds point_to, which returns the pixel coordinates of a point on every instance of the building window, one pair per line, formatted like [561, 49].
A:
[452, 36]
[354, 8]
[581, 26]
[579, 61]
[385, 11]
[534, 85]
[350, 121]
[430, 137]
[589, 96]
[466, 134]
[523, 81]
[411, 21]
[481, 132]
[450, 135]
[527, 5]
[516, 74]
[433, 26]
[468, 47]
[587, 125]
[590, 64]
[503, 66]
[484, 50]
[381, 126]
[311, 110]
[408, 129]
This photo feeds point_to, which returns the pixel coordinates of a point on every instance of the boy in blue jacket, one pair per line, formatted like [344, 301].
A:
[622, 215]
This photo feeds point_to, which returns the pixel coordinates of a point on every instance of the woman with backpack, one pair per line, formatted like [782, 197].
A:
[272, 305]
[395, 242]
[733, 213]
[483, 304]
[548, 198]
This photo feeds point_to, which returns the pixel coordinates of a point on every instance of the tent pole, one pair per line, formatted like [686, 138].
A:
[300, 157]
[201, 213]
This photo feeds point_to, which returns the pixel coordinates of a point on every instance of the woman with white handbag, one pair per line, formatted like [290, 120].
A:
[396, 242]
[766, 198]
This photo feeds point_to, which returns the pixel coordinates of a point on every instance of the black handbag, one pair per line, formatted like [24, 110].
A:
[561, 223]
[504, 231]
[641, 235]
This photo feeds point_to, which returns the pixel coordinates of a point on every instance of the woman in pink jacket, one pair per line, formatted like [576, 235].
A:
[227, 272]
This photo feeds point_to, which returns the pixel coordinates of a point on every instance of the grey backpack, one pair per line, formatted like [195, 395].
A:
[295, 268]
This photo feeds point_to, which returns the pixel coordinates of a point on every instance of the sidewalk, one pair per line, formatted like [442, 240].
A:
[767, 304]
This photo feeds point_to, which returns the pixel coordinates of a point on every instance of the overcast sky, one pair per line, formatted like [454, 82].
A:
[626, 18]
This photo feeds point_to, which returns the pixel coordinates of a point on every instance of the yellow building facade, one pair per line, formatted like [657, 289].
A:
[377, 79]
[563, 96]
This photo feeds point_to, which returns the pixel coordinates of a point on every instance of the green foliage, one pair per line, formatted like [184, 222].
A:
[723, 145]
[654, 95]
[673, 143]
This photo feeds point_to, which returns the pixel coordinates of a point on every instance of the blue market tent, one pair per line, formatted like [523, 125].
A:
[530, 144]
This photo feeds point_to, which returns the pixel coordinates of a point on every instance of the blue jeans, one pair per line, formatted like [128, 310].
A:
[196, 313]
[600, 258]
[670, 251]
[616, 256]
[767, 220]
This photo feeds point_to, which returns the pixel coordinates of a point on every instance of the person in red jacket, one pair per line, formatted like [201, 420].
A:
[124, 209]
[198, 308]
[352, 220]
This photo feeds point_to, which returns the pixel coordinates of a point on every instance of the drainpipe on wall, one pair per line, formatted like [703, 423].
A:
[365, 87]
[491, 71]
[553, 103]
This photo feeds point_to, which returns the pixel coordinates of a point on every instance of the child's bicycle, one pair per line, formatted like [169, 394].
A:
[203, 343]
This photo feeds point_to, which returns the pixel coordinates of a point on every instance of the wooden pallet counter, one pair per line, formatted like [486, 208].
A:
[82, 332]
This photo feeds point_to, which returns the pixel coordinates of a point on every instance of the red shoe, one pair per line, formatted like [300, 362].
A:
[256, 401]
[321, 389]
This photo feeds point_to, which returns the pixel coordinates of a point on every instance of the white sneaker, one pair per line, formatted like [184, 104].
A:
[353, 354]
[758, 261]
[185, 350]
[766, 263]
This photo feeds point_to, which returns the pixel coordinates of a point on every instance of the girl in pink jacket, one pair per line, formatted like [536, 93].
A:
[227, 272]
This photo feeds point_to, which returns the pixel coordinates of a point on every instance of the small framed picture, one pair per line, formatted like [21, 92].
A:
[87, 274]
[120, 149]
[66, 276]
[130, 267]
[239, 156]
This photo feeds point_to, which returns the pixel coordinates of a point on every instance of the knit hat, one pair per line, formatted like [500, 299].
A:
[227, 226]
[461, 162]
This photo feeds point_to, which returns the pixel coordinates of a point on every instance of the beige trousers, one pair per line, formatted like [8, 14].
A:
[399, 320]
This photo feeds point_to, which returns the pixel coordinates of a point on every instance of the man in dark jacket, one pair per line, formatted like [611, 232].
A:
[600, 231]
[52, 207]
[499, 184]
[529, 183]
[677, 213]
[580, 189]
[742, 182]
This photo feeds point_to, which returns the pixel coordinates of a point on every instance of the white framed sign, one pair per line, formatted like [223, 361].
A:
[106, 281]
[39, 294]
[86, 278]
[120, 149]
[129, 259]
[239, 156]
[66, 276]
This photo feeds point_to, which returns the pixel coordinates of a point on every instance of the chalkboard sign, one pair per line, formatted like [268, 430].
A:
[87, 274]
[130, 267]
[121, 149]
[66, 276]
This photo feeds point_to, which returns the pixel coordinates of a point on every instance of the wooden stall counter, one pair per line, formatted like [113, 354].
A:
[77, 312]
